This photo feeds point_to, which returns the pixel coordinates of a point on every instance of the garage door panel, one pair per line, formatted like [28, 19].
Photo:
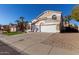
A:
[48, 28]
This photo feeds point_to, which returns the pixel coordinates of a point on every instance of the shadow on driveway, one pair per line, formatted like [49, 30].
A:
[7, 50]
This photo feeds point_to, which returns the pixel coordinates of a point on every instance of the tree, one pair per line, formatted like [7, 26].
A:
[75, 25]
[75, 13]
[22, 24]
[67, 19]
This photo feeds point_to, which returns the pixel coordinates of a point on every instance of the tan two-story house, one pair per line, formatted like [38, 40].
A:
[48, 21]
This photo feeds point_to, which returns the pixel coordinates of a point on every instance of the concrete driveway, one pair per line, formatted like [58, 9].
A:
[44, 43]
[5, 49]
[23, 42]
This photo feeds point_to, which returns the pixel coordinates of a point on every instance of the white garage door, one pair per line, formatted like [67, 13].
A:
[48, 28]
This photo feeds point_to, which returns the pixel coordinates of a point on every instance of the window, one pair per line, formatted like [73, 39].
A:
[54, 17]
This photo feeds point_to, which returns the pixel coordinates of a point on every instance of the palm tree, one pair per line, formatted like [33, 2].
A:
[75, 26]
[67, 19]
[26, 24]
[22, 24]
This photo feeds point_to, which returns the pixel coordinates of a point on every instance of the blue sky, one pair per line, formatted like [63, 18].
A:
[9, 13]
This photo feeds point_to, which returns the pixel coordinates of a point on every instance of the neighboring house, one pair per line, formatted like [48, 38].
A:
[78, 28]
[48, 21]
[9, 28]
[1, 27]
[5, 28]
[13, 27]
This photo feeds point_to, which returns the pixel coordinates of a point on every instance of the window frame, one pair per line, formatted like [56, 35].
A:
[54, 17]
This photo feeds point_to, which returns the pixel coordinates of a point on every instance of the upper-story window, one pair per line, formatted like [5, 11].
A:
[54, 17]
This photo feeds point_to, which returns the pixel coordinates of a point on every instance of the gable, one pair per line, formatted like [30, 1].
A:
[49, 16]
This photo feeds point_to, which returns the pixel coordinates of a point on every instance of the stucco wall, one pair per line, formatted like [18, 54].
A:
[48, 24]
[13, 29]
